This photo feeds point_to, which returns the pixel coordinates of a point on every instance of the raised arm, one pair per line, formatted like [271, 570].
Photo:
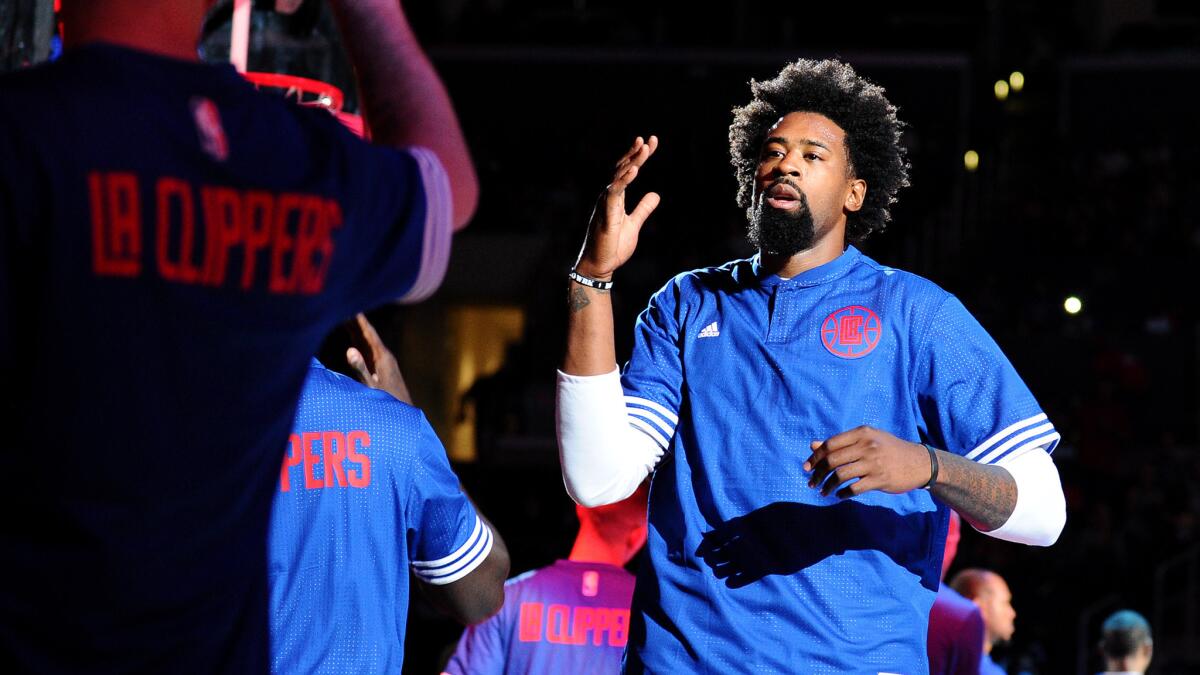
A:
[404, 101]
[611, 239]
[603, 459]
[374, 362]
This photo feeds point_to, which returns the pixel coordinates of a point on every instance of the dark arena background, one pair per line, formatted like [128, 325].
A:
[1055, 189]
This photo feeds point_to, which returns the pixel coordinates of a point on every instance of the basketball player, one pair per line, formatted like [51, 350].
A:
[173, 247]
[570, 617]
[365, 494]
[793, 405]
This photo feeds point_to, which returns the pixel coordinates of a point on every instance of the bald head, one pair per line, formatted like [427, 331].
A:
[612, 533]
[990, 592]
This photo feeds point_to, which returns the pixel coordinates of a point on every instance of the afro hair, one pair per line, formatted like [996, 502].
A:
[830, 88]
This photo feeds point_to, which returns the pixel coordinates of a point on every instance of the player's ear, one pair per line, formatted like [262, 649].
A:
[856, 194]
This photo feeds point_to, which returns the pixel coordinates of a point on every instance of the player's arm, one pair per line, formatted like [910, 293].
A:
[1019, 500]
[374, 363]
[479, 594]
[404, 101]
[603, 459]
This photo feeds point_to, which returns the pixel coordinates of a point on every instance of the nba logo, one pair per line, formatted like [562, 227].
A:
[209, 129]
[591, 584]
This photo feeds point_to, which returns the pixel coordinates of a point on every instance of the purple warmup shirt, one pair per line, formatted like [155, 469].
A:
[570, 617]
[955, 637]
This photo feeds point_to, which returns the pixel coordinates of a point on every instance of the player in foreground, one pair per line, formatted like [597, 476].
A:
[792, 406]
[173, 247]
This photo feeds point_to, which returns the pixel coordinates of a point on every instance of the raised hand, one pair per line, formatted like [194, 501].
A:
[613, 233]
[381, 371]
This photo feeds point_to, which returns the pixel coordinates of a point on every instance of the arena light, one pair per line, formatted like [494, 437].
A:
[1016, 81]
[971, 160]
[1001, 89]
[1073, 305]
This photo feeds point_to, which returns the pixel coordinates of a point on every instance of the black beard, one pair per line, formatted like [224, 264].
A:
[779, 232]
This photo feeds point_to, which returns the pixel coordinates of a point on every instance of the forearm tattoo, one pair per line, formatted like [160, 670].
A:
[983, 494]
[577, 297]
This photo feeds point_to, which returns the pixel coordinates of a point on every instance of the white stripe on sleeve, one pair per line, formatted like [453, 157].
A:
[1004, 434]
[607, 448]
[438, 226]
[461, 562]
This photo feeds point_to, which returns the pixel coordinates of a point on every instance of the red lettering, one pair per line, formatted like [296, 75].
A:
[294, 456]
[604, 622]
[223, 227]
[196, 235]
[851, 330]
[619, 635]
[170, 191]
[334, 443]
[282, 242]
[311, 459]
[259, 214]
[558, 625]
[331, 219]
[583, 621]
[116, 224]
[357, 440]
[531, 622]
[307, 240]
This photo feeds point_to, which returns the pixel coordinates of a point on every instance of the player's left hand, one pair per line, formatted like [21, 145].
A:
[879, 461]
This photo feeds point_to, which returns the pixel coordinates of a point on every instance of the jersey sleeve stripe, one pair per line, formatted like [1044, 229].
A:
[671, 418]
[1003, 434]
[651, 418]
[476, 535]
[475, 557]
[1045, 443]
[650, 431]
[1012, 442]
[439, 226]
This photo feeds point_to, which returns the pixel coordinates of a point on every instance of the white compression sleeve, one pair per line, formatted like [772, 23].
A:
[603, 458]
[1041, 511]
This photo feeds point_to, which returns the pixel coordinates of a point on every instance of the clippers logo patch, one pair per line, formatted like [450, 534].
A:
[851, 332]
[208, 126]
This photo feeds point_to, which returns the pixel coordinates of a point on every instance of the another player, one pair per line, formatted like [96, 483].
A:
[1126, 643]
[955, 639]
[990, 593]
[173, 247]
[791, 407]
[366, 494]
[570, 617]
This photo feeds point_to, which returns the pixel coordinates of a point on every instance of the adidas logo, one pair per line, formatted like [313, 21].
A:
[710, 330]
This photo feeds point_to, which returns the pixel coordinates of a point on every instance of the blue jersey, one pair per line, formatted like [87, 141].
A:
[734, 373]
[173, 247]
[570, 617]
[989, 667]
[365, 493]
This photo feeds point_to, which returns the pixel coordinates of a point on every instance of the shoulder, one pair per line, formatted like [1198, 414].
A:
[900, 281]
[724, 278]
[352, 401]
